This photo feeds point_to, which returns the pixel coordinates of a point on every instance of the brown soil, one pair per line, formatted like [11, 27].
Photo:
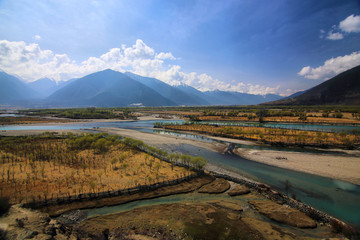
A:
[283, 214]
[220, 185]
[184, 187]
[239, 190]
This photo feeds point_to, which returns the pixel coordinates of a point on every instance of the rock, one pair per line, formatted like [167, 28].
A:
[50, 230]
[220, 185]
[283, 214]
[20, 223]
[239, 190]
[264, 187]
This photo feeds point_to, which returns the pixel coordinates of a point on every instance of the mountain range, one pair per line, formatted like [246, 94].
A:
[110, 88]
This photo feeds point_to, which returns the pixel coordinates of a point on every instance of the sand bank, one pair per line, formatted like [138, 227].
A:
[342, 167]
[160, 139]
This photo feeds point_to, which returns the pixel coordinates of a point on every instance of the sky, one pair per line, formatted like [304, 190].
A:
[251, 46]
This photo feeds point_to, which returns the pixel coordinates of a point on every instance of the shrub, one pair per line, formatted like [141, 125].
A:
[4, 205]
[336, 226]
[3, 234]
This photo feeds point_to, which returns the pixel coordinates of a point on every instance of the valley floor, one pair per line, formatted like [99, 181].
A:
[344, 167]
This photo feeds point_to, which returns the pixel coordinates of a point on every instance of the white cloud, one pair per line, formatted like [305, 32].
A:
[334, 36]
[167, 55]
[350, 24]
[331, 67]
[204, 82]
[30, 62]
[37, 37]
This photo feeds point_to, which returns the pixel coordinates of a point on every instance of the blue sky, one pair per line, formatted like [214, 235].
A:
[254, 46]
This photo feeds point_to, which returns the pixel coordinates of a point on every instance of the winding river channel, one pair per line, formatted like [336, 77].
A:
[337, 198]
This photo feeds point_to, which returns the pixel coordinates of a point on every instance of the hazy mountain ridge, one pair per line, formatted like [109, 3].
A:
[175, 94]
[13, 91]
[343, 89]
[46, 86]
[110, 88]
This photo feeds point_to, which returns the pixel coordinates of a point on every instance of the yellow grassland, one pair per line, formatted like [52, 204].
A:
[271, 135]
[69, 172]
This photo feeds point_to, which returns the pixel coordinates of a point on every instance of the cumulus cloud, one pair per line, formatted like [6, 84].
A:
[350, 24]
[30, 62]
[37, 37]
[204, 82]
[334, 35]
[331, 67]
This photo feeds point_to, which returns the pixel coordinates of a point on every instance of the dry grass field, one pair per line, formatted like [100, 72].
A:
[271, 135]
[315, 118]
[39, 168]
[30, 120]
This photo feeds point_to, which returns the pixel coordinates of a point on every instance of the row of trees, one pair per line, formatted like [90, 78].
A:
[196, 163]
[82, 113]
[274, 135]
[53, 166]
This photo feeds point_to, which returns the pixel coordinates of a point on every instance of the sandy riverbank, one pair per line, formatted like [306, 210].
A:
[161, 140]
[342, 167]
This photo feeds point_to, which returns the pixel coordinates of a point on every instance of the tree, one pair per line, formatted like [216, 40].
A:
[261, 114]
[92, 185]
[100, 174]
